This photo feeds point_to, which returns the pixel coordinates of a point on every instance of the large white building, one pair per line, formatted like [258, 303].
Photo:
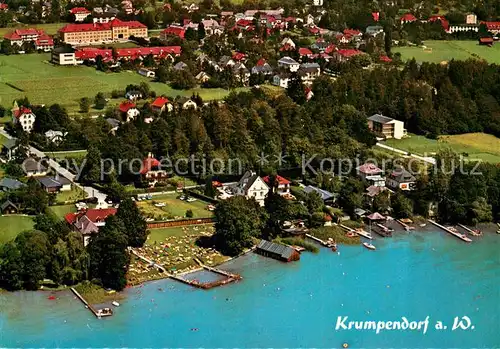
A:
[386, 127]
[24, 117]
[252, 186]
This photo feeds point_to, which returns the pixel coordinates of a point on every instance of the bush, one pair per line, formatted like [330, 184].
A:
[189, 214]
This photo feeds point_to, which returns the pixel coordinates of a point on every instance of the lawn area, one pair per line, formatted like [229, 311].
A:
[473, 146]
[174, 208]
[74, 194]
[10, 226]
[32, 75]
[443, 50]
[50, 28]
[62, 210]
[159, 235]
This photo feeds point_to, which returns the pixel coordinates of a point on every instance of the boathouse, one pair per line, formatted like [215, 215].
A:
[277, 251]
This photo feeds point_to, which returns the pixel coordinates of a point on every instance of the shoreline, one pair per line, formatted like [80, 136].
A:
[486, 228]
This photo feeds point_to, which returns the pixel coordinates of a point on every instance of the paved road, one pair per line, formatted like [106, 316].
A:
[91, 192]
[427, 159]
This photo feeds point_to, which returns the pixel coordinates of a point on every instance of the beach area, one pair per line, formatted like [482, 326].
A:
[417, 274]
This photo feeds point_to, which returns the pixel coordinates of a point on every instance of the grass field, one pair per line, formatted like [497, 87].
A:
[447, 50]
[72, 195]
[61, 211]
[33, 76]
[480, 146]
[174, 208]
[50, 28]
[10, 226]
[67, 154]
[159, 235]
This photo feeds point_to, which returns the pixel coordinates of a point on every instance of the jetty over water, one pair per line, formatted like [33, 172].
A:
[359, 232]
[97, 312]
[456, 234]
[228, 277]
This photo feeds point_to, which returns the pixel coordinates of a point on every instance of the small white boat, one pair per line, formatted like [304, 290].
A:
[423, 225]
[115, 303]
[369, 246]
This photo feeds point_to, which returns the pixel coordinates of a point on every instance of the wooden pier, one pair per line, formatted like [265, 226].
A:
[97, 312]
[406, 226]
[359, 232]
[462, 237]
[469, 230]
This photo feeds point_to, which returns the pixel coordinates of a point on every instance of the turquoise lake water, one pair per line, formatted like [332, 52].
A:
[290, 305]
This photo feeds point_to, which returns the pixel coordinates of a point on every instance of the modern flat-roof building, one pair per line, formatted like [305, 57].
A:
[386, 127]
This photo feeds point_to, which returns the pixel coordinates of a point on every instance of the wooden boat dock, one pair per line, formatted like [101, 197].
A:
[382, 230]
[359, 232]
[406, 226]
[97, 312]
[456, 234]
[469, 230]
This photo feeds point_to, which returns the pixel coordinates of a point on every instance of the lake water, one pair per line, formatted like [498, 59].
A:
[290, 305]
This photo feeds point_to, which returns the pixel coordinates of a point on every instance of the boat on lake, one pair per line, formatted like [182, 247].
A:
[369, 246]
[115, 303]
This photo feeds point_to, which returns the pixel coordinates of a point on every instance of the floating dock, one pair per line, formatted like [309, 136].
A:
[97, 312]
[359, 232]
[462, 237]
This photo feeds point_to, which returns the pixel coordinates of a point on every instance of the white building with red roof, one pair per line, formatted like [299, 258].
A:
[116, 30]
[371, 174]
[24, 117]
[172, 31]
[80, 13]
[88, 222]
[152, 171]
[160, 104]
[408, 18]
[41, 40]
[283, 184]
[129, 110]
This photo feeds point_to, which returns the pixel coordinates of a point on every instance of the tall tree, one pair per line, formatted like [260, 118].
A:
[131, 216]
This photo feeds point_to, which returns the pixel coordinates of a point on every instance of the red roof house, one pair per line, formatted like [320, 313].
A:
[303, 51]
[492, 26]
[76, 10]
[407, 18]
[126, 106]
[376, 16]
[152, 172]
[4, 7]
[283, 183]
[260, 62]
[443, 20]
[87, 222]
[172, 30]
[238, 56]
[160, 104]
[352, 32]
[385, 59]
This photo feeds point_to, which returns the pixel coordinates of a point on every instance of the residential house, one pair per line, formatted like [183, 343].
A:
[9, 148]
[212, 27]
[308, 72]
[8, 184]
[104, 17]
[146, 72]
[317, 2]
[325, 195]
[180, 66]
[38, 37]
[88, 222]
[401, 179]
[172, 31]
[133, 95]
[55, 136]
[4, 7]
[281, 80]
[8, 207]
[34, 168]
[407, 18]
[129, 110]
[371, 174]
[471, 18]
[454, 28]
[80, 13]
[305, 52]
[152, 171]
[64, 55]
[187, 103]
[241, 73]
[283, 184]
[114, 123]
[202, 77]
[493, 27]
[386, 127]
[353, 34]
[289, 64]
[23, 116]
[374, 30]
[276, 251]
[54, 184]
[262, 67]
[374, 190]
[251, 186]
[226, 61]
[160, 104]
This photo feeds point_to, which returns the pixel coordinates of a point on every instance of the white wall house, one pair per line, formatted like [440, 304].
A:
[23, 116]
[289, 64]
[252, 186]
